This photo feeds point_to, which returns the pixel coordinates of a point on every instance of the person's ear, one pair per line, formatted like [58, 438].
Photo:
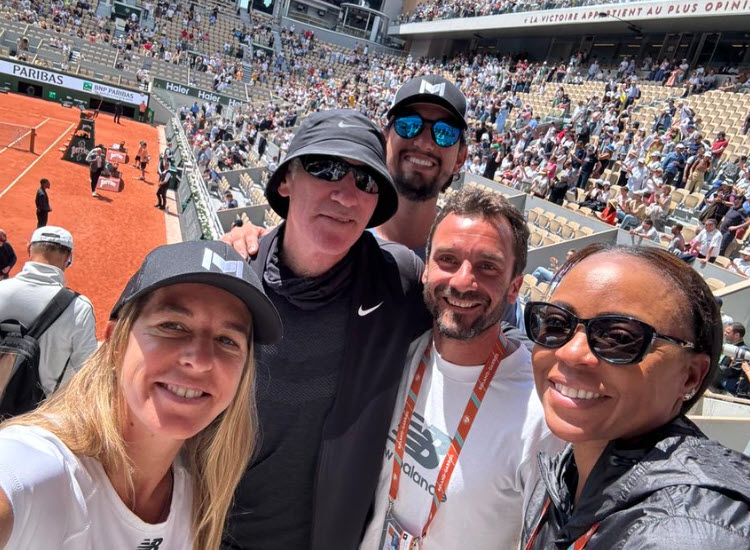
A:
[460, 158]
[696, 370]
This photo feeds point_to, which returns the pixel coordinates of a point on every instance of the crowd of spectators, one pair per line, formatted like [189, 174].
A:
[434, 9]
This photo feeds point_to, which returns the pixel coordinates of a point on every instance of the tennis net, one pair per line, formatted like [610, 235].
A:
[17, 136]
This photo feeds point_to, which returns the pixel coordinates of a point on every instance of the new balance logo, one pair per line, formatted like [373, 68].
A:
[427, 88]
[150, 544]
[229, 267]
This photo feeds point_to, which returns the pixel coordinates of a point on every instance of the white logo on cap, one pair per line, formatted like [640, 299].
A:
[427, 88]
[342, 125]
[229, 267]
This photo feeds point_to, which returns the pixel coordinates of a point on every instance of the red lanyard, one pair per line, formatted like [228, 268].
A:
[462, 432]
[579, 544]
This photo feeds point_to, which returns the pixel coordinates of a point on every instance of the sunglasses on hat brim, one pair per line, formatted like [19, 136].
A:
[445, 132]
[615, 339]
[330, 168]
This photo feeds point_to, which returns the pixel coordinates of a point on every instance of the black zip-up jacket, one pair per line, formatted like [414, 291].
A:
[670, 489]
[355, 429]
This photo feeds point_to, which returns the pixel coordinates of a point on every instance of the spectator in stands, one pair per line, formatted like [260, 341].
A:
[646, 231]
[735, 220]
[673, 165]
[706, 244]
[229, 201]
[677, 243]
[741, 265]
[719, 146]
[589, 164]
[42, 203]
[544, 275]
[147, 442]
[7, 256]
[695, 172]
[72, 337]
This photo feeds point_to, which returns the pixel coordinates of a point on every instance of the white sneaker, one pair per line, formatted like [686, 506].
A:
[94, 194]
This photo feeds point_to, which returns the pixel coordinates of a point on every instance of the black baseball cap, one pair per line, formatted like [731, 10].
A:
[343, 133]
[210, 263]
[435, 89]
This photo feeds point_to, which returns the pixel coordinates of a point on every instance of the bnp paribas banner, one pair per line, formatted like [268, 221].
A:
[53, 78]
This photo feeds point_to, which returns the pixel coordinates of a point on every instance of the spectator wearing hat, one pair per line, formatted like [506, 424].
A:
[637, 176]
[741, 265]
[673, 165]
[7, 256]
[736, 220]
[72, 337]
[350, 307]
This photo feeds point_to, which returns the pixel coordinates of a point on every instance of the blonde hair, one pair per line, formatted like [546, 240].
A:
[216, 457]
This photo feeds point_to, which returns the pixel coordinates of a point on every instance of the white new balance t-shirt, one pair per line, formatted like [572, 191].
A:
[496, 470]
[65, 502]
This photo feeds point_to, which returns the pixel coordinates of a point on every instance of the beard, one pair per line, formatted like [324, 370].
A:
[415, 187]
[451, 324]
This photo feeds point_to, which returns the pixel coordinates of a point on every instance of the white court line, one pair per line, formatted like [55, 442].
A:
[30, 166]
[45, 121]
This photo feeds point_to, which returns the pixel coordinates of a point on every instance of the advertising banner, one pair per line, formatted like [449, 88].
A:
[81, 142]
[182, 89]
[53, 78]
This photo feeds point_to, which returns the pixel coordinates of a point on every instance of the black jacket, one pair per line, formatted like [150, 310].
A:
[671, 489]
[356, 427]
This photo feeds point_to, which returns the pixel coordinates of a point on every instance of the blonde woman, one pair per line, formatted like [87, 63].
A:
[145, 445]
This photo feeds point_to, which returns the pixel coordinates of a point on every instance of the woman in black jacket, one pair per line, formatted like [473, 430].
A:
[617, 367]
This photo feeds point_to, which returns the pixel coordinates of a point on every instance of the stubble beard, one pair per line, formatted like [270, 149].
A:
[449, 324]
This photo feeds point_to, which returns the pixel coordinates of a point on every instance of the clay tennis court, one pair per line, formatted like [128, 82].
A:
[112, 233]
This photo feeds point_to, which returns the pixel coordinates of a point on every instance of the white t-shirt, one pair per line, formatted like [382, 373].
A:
[66, 502]
[496, 469]
[708, 241]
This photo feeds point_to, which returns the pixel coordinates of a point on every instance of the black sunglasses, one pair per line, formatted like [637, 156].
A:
[410, 125]
[615, 339]
[329, 168]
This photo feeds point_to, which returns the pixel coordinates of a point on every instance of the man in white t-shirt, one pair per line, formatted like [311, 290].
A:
[475, 257]
[646, 231]
[706, 244]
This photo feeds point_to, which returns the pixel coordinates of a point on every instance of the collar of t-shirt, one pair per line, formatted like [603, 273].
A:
[470, 373]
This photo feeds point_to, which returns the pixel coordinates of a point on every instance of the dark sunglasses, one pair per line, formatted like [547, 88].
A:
[329, 168]
[410, 125]
[615, 339]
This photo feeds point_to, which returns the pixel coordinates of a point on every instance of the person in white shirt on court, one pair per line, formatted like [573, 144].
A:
[144, 446]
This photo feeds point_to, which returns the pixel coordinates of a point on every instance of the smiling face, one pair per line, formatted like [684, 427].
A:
[616, 401]
[419, 166]
[185, 356]
[325, 217]
[469, 276]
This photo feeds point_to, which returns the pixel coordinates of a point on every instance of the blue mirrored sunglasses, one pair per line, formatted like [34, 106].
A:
[409, 126]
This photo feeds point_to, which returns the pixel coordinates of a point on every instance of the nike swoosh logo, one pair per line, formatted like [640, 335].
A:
[342, 125]
[363, 312]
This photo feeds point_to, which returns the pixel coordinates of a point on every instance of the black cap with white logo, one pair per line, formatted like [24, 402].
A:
[346, 134]
[435, 89]
[211, 263]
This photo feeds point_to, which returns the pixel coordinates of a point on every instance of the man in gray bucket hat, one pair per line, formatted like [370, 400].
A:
[350, 307]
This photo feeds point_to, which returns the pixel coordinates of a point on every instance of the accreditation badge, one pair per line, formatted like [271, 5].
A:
[395, 537]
